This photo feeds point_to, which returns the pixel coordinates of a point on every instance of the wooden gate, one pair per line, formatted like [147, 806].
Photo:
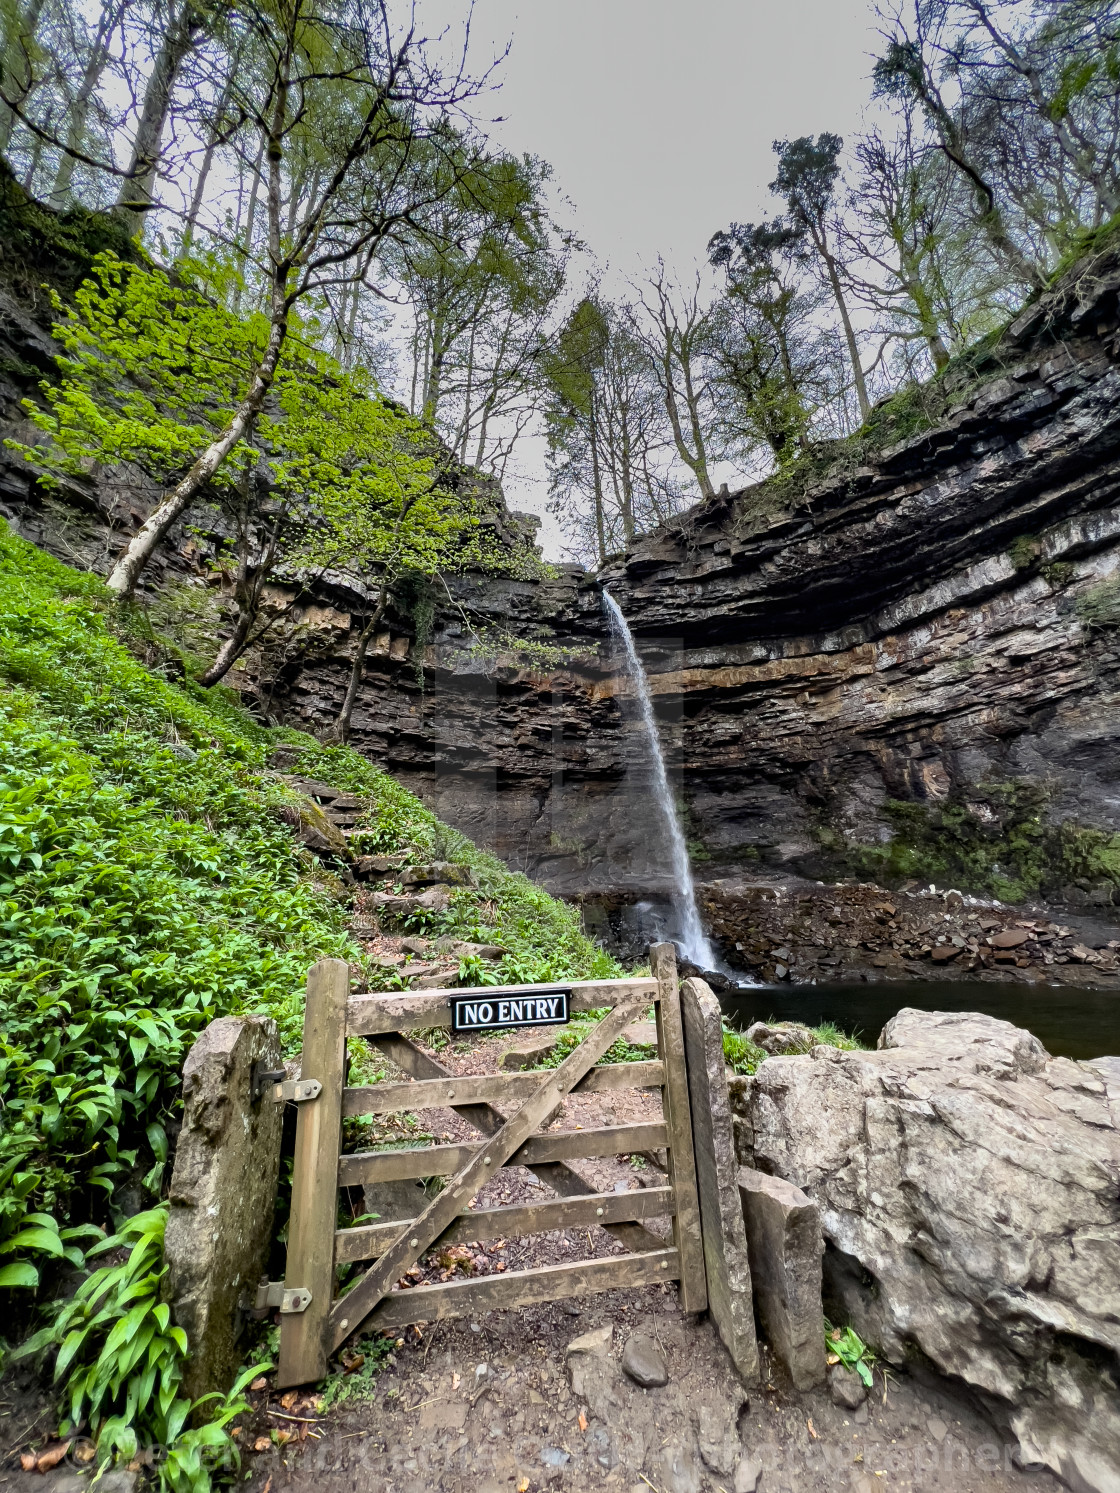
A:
[314, 1323]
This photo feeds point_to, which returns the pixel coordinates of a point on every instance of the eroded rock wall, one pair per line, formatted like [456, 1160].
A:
[901, 659]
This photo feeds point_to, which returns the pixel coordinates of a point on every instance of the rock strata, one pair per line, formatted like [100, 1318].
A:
[967, 1184]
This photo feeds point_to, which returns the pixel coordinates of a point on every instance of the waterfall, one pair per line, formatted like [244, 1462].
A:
[693, 941]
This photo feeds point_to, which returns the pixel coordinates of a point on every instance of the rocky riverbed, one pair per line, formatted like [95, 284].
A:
[801, 931]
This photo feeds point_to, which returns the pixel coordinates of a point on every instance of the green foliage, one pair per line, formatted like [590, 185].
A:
[119, 1364]
[37, 244]
[850, 1349]
[154, 366]
[569, 1038]
[1013, 853]
[360, 1385]
[1098, 609]
[743, 1056]
[1024, 551]
[141, 895]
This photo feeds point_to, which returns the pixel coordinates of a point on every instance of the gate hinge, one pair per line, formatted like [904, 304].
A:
[297, 1089]
[274, 1293]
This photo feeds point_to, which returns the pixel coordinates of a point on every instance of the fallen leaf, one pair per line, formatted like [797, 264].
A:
[289, 1399]
[455, 1379]
[236, 1430]
[259, 1384]
[84, 1450]
[51, 1457]
[314, 1402]
[268, 1485]
[523, 1485]
[281, 1437]
[27, 1461]
[812, 1433]
[352, 1361]
[582, 1421]
[262, 1444]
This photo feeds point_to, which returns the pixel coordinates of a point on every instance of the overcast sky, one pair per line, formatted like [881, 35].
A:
[658, 116]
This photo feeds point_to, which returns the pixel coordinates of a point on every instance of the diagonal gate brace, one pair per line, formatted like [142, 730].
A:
[416, 1237]
[558, 1175]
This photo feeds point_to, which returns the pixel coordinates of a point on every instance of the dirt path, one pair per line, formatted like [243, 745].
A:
[488, 1406]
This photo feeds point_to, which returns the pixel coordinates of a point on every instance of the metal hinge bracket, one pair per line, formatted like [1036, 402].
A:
[274, 1293]
[297, 1089]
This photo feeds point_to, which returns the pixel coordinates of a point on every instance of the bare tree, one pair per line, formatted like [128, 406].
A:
[910, 69]
[675, 331]
[79, 107]
[374, 96]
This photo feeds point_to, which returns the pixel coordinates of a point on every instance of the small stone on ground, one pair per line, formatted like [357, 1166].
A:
[644, 1361]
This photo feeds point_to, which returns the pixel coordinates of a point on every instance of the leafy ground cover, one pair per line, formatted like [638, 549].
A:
[149, 881]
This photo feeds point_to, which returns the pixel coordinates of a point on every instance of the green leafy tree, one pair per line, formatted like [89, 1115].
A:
[378, 103]
[764, 342]
[808, 172]
[573, 371]
[329, 476]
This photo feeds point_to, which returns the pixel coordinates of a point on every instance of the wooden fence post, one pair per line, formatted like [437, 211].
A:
[310, 1261]
[721, 1213]
[682, 1163]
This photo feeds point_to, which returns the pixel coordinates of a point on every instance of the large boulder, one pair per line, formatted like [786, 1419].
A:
[969, 1187]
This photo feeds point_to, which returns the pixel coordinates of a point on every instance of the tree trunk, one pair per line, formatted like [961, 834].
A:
[821, 242]
[254, 194]
[207, 162]
[597, 482]
[230, 651]
[79, 109]
[126, 572]
[18, 79]
[136, 192]
[341, 728]
[923, 304]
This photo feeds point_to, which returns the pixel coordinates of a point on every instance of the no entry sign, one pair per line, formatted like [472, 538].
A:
[547, 1006]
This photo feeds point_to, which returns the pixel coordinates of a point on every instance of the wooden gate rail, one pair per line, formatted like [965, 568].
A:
[443, 1161]
[602, 1208]
[486, 1120]
[490, 1088]
[315, 1244]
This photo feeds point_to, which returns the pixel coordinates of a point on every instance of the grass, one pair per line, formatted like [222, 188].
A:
[744, 1056]
[145, 890]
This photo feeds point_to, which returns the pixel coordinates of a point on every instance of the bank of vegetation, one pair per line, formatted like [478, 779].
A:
[150, 880]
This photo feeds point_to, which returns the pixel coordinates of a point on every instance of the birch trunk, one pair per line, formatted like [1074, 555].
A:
[136, 192]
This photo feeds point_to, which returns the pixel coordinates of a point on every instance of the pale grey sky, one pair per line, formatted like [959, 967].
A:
[658, 116]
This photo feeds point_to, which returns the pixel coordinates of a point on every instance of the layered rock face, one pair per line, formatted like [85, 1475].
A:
[935, 624]
[969, 1190]
[932, 623]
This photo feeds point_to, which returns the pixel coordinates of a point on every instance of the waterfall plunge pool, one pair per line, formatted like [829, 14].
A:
[1068, 1021]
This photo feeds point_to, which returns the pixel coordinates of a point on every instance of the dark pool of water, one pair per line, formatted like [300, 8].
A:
[1068, 1022]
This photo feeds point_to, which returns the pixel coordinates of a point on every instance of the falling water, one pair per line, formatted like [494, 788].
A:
[693, 942]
